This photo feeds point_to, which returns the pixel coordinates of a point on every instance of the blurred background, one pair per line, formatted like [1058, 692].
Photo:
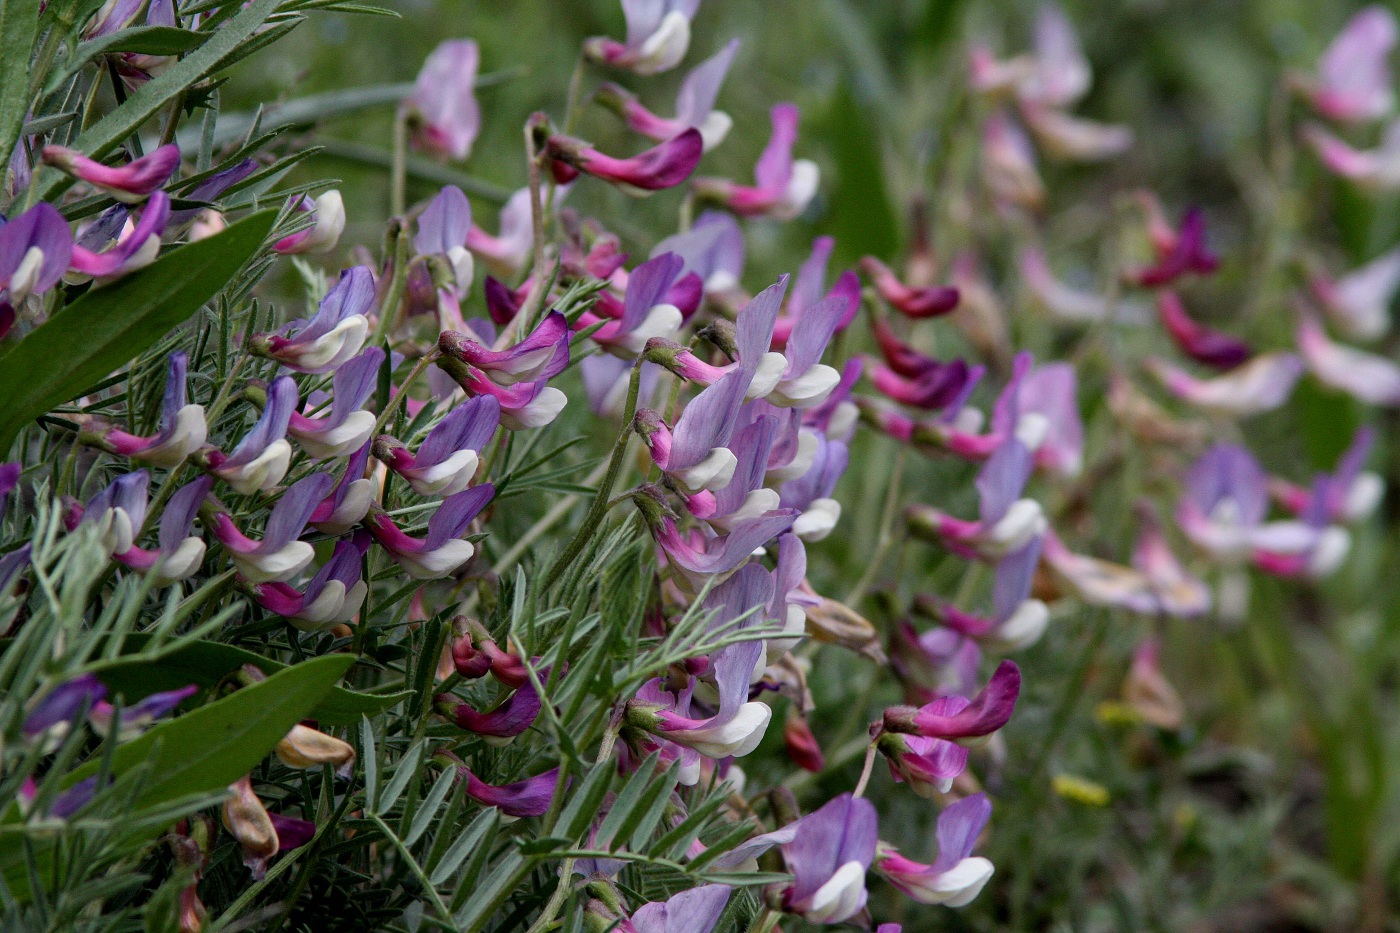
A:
[1275, 807]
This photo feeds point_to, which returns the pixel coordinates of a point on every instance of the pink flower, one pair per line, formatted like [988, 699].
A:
[130, 183]
[444, 113]
[658, 35]
[1352, 84]
[1366, 376]
[782, 187]
[663, 166]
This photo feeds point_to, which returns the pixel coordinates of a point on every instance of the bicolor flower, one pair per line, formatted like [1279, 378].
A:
[663, 166]
[755, 367]
[927, 765]
[1098, 582]
[1060, 74]
[782, 187]
[118, 511]
[65, 804]
[135, 245]
[713, 249]
[278, 556]
[1017, 621]
[812, 493]
[694, 911]
[1349, 494]
[697, 555]
[328, 223]
[828, 852]
[50, 719]
[1064, 136]
[523, 405]
[179, 553]
[956, 876]
[909, 301]
[809, 288]
[11, 565]
[1373, 170]
[956, 717]
[443, 112]
[35, 250]
[695, 103]
[442, 550]
[805, 381]
[1006, 524]
[694, 454]
[444, 228]
[261, 458]
[138, 717]
[647, 309]
[509, 249]
[348, 426]
[1066, 303]
[182, 426]
[744, 495]
[505, 720]
[332, 336]
[446, 460]
[1358, 303]
[1366, 376]
[334, 595]
[305, 747]
[1262, 384]
[350, 500]
[131, 183]
[1202, 344]
[530, 797]
[1051, 392]
[658, 35]
[245, 817]
[911, 378]
[1009, 165]
[1353, 83]
[1179, 250]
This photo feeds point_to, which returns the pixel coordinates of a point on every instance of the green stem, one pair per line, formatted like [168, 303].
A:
[398, 168]
[398, 283]
[600, 499]
[413, 866]
[886, 537]
[423, 363]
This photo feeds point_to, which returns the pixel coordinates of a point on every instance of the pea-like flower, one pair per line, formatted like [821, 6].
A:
[959, 719]
[131, 183]
[328, 223]
[442, 550]
[113, 246]
[1352, 83]
[828, 852]
[35, 250]
[1358, 302]
[1368, 377]
[348, 426]
[139, 716]
[956, 876]
[180, 552]
[1262, 384]
[783, 187]
[907, 300]
[663, 166]
[261, 458]
[278, 556]
[695, 103]
[350, 499]
[446, 460]
[658, 35]
[182, 426]
[443, 111]
[330, 338]
[530, 797]
[1006, 523]
[1201, 343]
[334, 595]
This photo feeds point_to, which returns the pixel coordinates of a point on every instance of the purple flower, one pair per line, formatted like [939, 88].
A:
[348, 426]
[279, 555]
[1066, 303]
[64, 805]
[911, 302]
[1262, 384]
[1373, 379]
[540, 356]
[956, 876]
[507, 719]
[1050, 391]
[1352, 84]
[182, 426]
[55, 712]
[1358, 303]
[1373, 170]
[444, 113]
[782, 187]
[11, 565]
[744, 495]
[9, 479]
[138, 717]
[135, 247]
[713, 248]
[130, 183]
[261, 458]
[1060, 74]
[292, 833]
[330, 338]
[118, 511]
[1009, 164]
[328, 213]
[1202, 344]
[332, 596]
[509, 250]
[530, 797]
[658, 35]
[663, 166]
[812, 492]
[697, 555]
[1068, 137]
[1224, 502]
[35, 250]
[1178, 251]
[179, 553]
[447, 459]
[693, 911]
[693, 454]
[760, 369]
[1017, 621]
[828, 853]
[911, 378]
[1007, 522]
[350, 500]
[1348, 494]
[927, 765]
[441, 551]
[444, 229]
[958, 718]
[647, 309]
[695, 103]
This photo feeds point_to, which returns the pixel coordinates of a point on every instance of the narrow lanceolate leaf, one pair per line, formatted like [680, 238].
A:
[143, 40]
[107, 134]
[18, 19]
[107, 327]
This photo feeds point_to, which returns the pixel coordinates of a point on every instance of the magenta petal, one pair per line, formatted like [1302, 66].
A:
[530, 797]
[987, 712]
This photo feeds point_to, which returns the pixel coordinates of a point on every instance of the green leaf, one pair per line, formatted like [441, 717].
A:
[143, 40]
[1328, 419]
[18, 20]
[212, 746]
[862, 219]
[206, 663]
[108, 133]
[107, 327]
